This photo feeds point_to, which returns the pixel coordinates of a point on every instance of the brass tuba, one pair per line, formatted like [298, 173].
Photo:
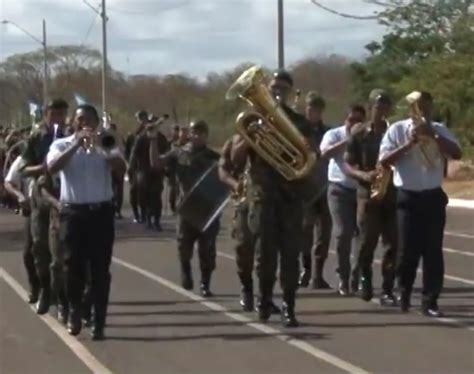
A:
[267, 128]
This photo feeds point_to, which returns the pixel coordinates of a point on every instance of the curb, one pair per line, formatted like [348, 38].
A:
[461, 203]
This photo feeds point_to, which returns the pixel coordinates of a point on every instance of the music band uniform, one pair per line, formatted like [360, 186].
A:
[316, 217]
[421, 206]
[148, 182]
[244, 243]
[189, 163]
[375, 218]
[341, 201]
[87, 225]
[34, 157]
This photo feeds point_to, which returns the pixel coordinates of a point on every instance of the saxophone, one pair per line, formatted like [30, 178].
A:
[379, 187]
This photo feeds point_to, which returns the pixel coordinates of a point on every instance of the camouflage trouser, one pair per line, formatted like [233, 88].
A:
[276, 224]
[206, 244]
[244, 246]
[57, 263]
[41, 253]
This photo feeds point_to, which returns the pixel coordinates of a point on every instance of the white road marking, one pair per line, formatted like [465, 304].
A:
[461, 203]
[458, 252]
[443, 319]
[72, 343]
[458, 234]
[268, 330]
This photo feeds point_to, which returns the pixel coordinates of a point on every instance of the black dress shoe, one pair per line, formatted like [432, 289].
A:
[320, 284]
[97, 333]
[404, 302]
[305, 277]
[388, 299]
[355, 285]
[247, 301]
[205, 291]
[44, 300]
[343, 289]
[264, 311]
[367, 292]
[33, 295]
[186, 278]
[62, 314]
[431, 310]
[275, 309]
[288, 318]
[158, 227]
[74, 325]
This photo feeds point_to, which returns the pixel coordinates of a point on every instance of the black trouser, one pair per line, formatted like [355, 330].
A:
[134, 196]
[421, 219]
[87, 235]
[28, 257]
[173, 192]
[188, 235]
[149, 190]
[377, 219]
[117, 186]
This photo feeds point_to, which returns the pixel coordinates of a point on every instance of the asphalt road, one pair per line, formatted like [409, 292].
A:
[155, 326]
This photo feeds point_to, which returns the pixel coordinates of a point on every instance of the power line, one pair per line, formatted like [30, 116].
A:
[89, 30]
[345, 15]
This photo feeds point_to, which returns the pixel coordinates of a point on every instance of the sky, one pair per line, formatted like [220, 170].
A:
[191, 36]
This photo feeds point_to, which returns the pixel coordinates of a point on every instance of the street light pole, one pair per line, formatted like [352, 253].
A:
[281, 36]
[104, 57]
[45, 67]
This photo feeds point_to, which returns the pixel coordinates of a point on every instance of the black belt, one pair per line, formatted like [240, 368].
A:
[88, 206]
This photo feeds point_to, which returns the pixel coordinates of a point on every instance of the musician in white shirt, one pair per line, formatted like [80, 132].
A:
[87, 214]
[421, 202]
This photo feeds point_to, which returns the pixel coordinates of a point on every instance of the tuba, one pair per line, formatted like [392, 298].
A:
[428, 150]
[267, 128]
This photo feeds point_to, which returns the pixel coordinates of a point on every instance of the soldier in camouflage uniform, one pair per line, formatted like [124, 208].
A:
[275, 215]
[35, 166]
[189, 163]
[49, 191]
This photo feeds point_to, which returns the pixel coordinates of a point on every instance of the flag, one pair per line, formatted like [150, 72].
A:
[79, 99]
[33, 108]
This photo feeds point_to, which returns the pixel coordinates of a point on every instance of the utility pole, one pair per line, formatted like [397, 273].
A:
[103, 14]
[45, 67]
[281, 36]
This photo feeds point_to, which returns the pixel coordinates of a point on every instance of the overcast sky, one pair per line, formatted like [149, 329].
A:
[193, 36]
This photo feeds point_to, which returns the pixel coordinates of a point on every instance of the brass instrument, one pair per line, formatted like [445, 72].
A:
[427, 147]
[379, 187]
[267, 128]
[104, 139]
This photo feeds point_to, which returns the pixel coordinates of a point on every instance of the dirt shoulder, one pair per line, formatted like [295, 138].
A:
[460, 181]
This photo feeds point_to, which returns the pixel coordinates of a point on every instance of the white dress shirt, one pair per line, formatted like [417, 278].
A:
[336, 168]
[14, 177]
[409, 171]
[86, 178]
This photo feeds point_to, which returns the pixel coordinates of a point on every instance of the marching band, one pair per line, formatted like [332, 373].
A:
[293, 183]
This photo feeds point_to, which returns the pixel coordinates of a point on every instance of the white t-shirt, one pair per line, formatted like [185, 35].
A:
[336, 169]
[14, 177]
[409, 171]
[86, 178]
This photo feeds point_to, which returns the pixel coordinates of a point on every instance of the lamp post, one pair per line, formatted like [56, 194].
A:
[281, 36]
[45, 54]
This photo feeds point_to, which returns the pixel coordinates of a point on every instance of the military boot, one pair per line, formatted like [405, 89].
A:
[264, 306]
[205, 285]
[305, 275]
[318, 281]
[288, 318]
[44, 301]
[246, 300]
[367, 292]
[186, 275]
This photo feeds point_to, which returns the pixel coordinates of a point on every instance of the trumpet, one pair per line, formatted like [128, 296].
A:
[102, 139]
